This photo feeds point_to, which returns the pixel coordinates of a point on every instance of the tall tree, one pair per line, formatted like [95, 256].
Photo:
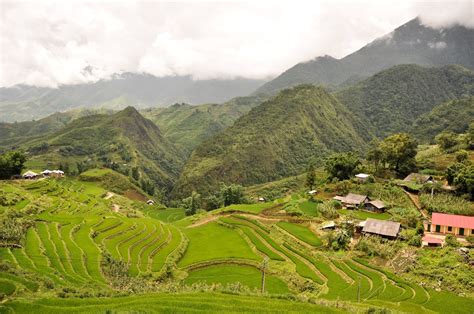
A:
[342, 165]
[399, 151]
[310, 176]
[11, 163]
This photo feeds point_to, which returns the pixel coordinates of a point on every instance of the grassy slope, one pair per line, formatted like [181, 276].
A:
[213, 241]
[274, 140]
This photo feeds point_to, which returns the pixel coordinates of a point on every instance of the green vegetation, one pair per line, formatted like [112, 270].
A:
[392, 100]
[446, 203]
[342, 166]
[11, 163]
[363, 215]
[285, 130]
[301, 232]
[454, 116]
[228, 274]
[200, 248]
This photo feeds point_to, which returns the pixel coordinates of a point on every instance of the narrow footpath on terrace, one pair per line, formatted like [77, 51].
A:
[416, 201]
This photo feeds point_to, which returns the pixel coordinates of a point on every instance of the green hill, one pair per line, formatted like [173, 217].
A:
[274, 140]
[187, 126]
[454, 115]
[393, 99]
[123, 140]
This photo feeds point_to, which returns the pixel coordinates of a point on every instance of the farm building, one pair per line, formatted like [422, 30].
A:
[330, 225]
[30, 175]
[383, 228]
[375, 205]
[53, 173]
[431, 241]
[352, 200]
[312, 192]
[451, 224]
[418, 178]
[362, 177]
[150, 202]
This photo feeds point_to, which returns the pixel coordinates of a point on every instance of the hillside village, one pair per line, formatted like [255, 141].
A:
[341, 185]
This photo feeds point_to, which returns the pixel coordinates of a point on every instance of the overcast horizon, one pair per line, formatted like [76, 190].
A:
[52, 43]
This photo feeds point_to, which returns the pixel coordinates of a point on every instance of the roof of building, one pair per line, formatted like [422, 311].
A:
[30, 174]
[377, 203]
[382, 227]
[452, 220]
[418, 177]
[46, 171]
[362, 175]
[354, 199]
[312, 192]
[433, 240]
[329, 224]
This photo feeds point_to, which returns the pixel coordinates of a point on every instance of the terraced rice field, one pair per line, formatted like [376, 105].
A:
[66, 245]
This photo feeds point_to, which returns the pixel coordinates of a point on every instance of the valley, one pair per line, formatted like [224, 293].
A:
[340, 186]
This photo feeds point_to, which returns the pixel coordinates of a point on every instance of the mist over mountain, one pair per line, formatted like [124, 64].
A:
[21, 103]
[410, 43]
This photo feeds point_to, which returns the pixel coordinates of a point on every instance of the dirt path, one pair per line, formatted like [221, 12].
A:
[416, 201]
[206, 220]
[212, 218]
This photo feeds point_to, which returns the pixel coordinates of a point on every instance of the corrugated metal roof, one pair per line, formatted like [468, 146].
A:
[452, 220]
[378, 203]
[418, 177]
[382, 227]
[354, 199]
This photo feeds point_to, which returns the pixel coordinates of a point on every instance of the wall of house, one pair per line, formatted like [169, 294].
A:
[454, 230]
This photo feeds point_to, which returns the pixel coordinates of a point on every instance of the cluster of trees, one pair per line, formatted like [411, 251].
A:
[396, 152]
[227, 195]
[461, 175]
[11, 163]
[450, 142]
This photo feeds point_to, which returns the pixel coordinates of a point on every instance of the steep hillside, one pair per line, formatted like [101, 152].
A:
[123, 140]
[454, 115]
[393, 99]
[12, 134]
[187, 126]
[21, 103]
[409, 43]
[274, 140]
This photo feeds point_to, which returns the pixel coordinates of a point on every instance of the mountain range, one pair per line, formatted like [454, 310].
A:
[411, 43]
[21, 102]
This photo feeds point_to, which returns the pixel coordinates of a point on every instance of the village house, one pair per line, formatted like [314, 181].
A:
[52, 173]
[30, 175]
[384, 228]
[352, 200]
[375, 206]
[418, 178]
[362, 177]
[431, 241]
[329, 225]
[450, 224]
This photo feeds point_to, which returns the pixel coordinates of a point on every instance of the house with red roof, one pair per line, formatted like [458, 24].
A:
[451, 224]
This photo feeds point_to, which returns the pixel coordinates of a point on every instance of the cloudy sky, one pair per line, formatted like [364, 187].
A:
[48, 43]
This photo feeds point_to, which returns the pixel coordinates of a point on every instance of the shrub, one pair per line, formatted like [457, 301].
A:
[461, 155]
[451, 240]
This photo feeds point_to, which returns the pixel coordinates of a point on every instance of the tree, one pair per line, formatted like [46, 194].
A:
[446, 140]
[192, 203]
[11, 163]
[399, 151]
[470, 136]
[310, 177]
[461, 175]
[342, 165]
[374, 154]
[461, 155]
[232, 194]
[135, 173]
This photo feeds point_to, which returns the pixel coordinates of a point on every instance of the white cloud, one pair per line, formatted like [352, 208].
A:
[51, 43]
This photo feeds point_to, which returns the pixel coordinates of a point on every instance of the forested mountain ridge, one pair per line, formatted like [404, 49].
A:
[21, 103]
[187, 126]
[454, 115]
[122, 141]
[391, 100]
[274, 140]
[410, 43]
